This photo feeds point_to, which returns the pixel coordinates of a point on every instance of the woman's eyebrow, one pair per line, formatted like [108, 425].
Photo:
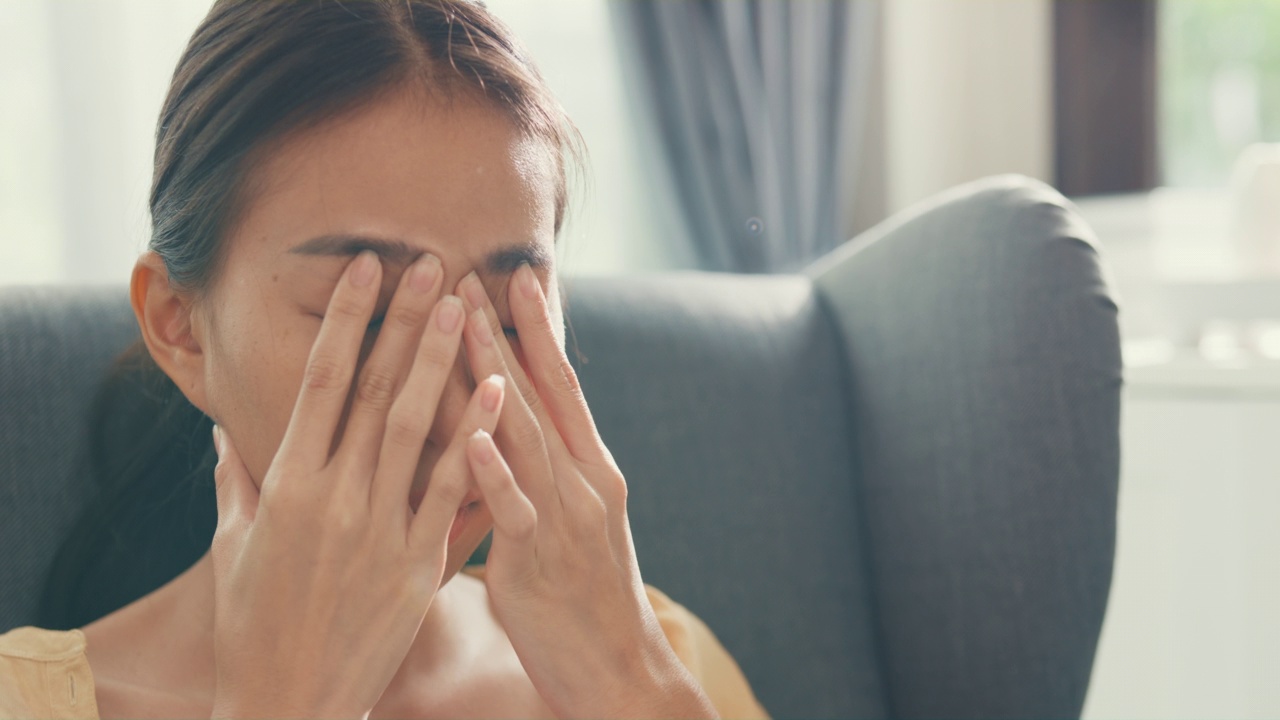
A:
[503, 261]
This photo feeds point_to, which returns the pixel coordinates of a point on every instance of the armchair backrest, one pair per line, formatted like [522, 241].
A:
[724, 400]
[887, 485]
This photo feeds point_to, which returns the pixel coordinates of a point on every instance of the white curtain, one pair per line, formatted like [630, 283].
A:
[82, 84]
[82, 81]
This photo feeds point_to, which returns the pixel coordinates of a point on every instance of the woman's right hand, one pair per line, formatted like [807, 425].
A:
[323, 577]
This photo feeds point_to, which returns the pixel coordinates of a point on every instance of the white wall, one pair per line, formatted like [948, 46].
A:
[968, 93]
[115, 61]
[1191, 628]
[625, 220]
[84, 81]
[30, 234]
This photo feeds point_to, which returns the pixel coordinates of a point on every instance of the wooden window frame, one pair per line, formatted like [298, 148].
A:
[1104, 66]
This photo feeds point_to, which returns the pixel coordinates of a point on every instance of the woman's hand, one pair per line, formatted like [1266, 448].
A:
[562, 572]
[322, 580]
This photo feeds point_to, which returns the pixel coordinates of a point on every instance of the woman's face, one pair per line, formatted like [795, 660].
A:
[456, 180]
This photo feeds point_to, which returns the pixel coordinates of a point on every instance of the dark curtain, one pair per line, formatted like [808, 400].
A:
[1104, 59]
[757, 110]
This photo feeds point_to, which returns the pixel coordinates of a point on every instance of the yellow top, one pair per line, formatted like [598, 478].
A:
[45, 673]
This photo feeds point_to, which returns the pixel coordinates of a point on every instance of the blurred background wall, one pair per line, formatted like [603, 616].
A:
[1158, 117]
[967, 94]
[959, 90]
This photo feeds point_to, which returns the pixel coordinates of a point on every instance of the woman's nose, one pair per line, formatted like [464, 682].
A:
[458, 388]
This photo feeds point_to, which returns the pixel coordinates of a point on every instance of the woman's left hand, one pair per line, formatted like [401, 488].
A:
[562, 573]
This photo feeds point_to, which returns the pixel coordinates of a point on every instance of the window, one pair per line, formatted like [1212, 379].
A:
[1219, 70]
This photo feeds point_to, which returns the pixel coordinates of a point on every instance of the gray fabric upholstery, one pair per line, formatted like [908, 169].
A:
[985, 359]
[887, 485]
[55, 344]
[724, 400]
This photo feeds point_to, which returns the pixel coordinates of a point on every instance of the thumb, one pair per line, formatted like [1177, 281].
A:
[237, 495]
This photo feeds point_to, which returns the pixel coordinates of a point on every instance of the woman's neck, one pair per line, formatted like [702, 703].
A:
[164, 640]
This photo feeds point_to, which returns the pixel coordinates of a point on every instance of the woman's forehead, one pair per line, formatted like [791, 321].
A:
[457, 179]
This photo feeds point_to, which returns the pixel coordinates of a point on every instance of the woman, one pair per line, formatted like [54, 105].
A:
[351, 273]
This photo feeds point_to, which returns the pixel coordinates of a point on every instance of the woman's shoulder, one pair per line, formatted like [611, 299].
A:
[34, 665]
[703, 654]
[40, 644]
[680, 626]
[700, 651]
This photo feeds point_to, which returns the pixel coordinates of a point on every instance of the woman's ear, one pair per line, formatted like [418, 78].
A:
[170, 328]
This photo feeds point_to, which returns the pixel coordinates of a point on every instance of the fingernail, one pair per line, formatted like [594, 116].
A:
[423, 274]
[450, 313]
[473, 289]
[528, 281]
[364, 267]
[493, 392]
[483, 448]
[217, 439]
[480, 324]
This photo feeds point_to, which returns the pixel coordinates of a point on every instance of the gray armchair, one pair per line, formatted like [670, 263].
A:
[888, 484]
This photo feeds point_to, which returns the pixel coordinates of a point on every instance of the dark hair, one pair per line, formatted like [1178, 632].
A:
[253, 71]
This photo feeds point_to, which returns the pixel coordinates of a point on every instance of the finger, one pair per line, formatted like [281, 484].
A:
[514, 518]
[414, 409]
[389, 363]
[519, 432]
[429, 534]
[475, 298]
[551, 372]
[237, 496]
[327, 378]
